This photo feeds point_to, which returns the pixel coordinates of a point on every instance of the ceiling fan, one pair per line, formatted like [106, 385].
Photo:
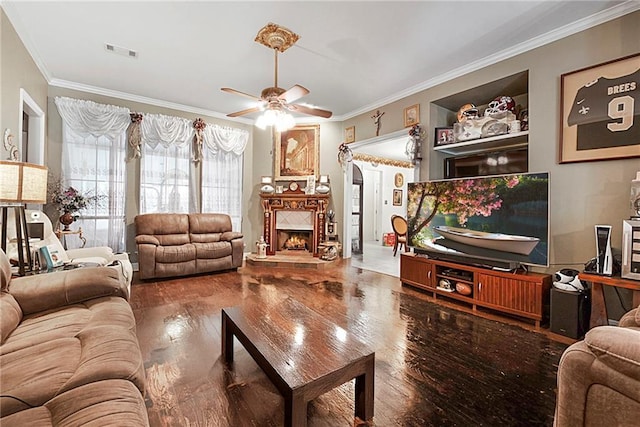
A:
[275, 98]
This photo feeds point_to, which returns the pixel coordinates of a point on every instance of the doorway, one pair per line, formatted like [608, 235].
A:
[357, 212]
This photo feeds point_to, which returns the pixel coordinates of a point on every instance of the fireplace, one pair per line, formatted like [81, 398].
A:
[294, 222]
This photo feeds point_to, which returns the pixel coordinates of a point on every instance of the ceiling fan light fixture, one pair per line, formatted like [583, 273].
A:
[278, 118]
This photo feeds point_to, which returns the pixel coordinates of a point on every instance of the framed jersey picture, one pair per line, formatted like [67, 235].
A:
[601, 112]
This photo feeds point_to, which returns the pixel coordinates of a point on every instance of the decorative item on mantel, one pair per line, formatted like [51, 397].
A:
[69, 202]
[262, 248]
[413, 149]
[323, 186]
[267, 185]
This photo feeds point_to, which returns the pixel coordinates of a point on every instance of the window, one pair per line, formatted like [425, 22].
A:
[96, 166]
[222, 185]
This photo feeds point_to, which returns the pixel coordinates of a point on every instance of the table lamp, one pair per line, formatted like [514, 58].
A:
[21, 183]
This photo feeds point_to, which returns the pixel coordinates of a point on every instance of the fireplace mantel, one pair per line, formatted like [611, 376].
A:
[292, 201]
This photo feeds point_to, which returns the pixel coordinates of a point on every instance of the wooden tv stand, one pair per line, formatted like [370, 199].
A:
[522, 294]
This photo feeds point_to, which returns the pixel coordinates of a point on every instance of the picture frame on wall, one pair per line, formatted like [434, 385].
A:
[600, 108]
[412, 115]
[397, 197]
[297, 152]
[350, 134]
[443, 136]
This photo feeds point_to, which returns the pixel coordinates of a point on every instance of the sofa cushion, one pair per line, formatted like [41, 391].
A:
[212, 250]
[169, 229]
[208, 223]
[110, 402]
[175, 254]
[53, 352]
[10, 315]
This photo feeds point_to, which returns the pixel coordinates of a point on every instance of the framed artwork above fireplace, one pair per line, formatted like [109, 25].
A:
[297, 152]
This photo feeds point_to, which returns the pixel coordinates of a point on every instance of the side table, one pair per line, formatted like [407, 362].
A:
[62, 235]
[599, 314]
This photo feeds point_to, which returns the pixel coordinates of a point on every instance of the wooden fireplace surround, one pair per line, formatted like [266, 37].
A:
[294, 201]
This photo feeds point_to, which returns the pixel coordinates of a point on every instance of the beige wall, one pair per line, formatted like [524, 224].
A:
[17, 70]
[582, 194]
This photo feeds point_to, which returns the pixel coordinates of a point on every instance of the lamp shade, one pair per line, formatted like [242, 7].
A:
[22, 182]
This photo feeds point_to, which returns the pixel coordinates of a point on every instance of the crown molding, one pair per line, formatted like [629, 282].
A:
[575, 27]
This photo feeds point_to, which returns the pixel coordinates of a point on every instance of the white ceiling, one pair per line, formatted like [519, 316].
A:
[352, 56]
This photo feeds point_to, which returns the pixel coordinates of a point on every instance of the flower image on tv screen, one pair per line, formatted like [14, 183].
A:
[495, 220]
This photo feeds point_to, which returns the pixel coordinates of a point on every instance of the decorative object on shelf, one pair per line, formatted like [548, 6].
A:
[297, 152]
[467, 111]
[262, 248]
[323, 185]
[412, 115]
[500, 105]
[464, 288]
[524, 120]
[377, 122]
[279, 189]
[514, 126]
[397, 197]
[443, 136]
[345, 155]
[275, 101]
[21, 183]
[398, 180]
[69, 202]
[634, 201]
[311, 185]
[490, 125]
[600, 115]
[267, 185]
[293, 186]
[10, 146]
[350, 134]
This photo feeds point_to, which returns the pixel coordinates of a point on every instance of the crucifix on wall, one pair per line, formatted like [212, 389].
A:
[376, 121]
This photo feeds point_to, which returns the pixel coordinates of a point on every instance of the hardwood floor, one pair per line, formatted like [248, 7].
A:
[436, 365]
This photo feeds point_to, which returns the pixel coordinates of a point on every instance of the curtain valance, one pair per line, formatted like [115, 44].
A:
[165, 130]
[226, 139]
[90, 118]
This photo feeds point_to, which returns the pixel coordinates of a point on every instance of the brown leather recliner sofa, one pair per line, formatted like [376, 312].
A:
[599, 377]
[69, 354]
[183, 244]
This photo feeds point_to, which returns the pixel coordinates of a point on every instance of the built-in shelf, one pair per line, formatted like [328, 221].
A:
[501, 142]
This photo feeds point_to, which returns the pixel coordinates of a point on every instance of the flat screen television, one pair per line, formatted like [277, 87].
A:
[494, 221]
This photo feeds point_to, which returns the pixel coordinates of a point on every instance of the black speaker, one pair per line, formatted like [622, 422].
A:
[570, 312]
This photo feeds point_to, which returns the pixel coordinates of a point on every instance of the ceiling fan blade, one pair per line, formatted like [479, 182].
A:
[237, 92]
[295, 92]
[243, 112]
[310, 110]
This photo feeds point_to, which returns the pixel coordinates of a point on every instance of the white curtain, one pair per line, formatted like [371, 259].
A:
[167, 181]
[222, 165]
[93, 154]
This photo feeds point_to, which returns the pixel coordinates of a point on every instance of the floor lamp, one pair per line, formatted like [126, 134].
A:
[21, 183]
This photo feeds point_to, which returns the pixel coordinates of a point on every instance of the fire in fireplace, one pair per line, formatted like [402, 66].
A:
[289, 240]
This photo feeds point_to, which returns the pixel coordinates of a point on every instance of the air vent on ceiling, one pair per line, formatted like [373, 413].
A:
[121, 50]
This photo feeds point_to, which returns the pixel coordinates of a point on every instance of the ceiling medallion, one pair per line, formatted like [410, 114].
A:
[276, 37]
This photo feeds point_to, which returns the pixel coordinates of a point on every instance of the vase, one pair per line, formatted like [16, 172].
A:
[66, 219]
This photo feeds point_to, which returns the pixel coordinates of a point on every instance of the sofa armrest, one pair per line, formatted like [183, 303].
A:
[631, 319]
[42, 292]
[231, 235]
[618, 348]
[95, 252]
[148, 239]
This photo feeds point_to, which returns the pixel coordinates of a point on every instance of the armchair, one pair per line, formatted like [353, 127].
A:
[100, 255]
[599, 377]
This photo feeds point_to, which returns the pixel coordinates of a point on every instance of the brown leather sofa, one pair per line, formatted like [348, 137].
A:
[599, 377]
[183, 244]
[69, 354]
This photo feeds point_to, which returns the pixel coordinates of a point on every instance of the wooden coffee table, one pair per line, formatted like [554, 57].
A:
[302, 353]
